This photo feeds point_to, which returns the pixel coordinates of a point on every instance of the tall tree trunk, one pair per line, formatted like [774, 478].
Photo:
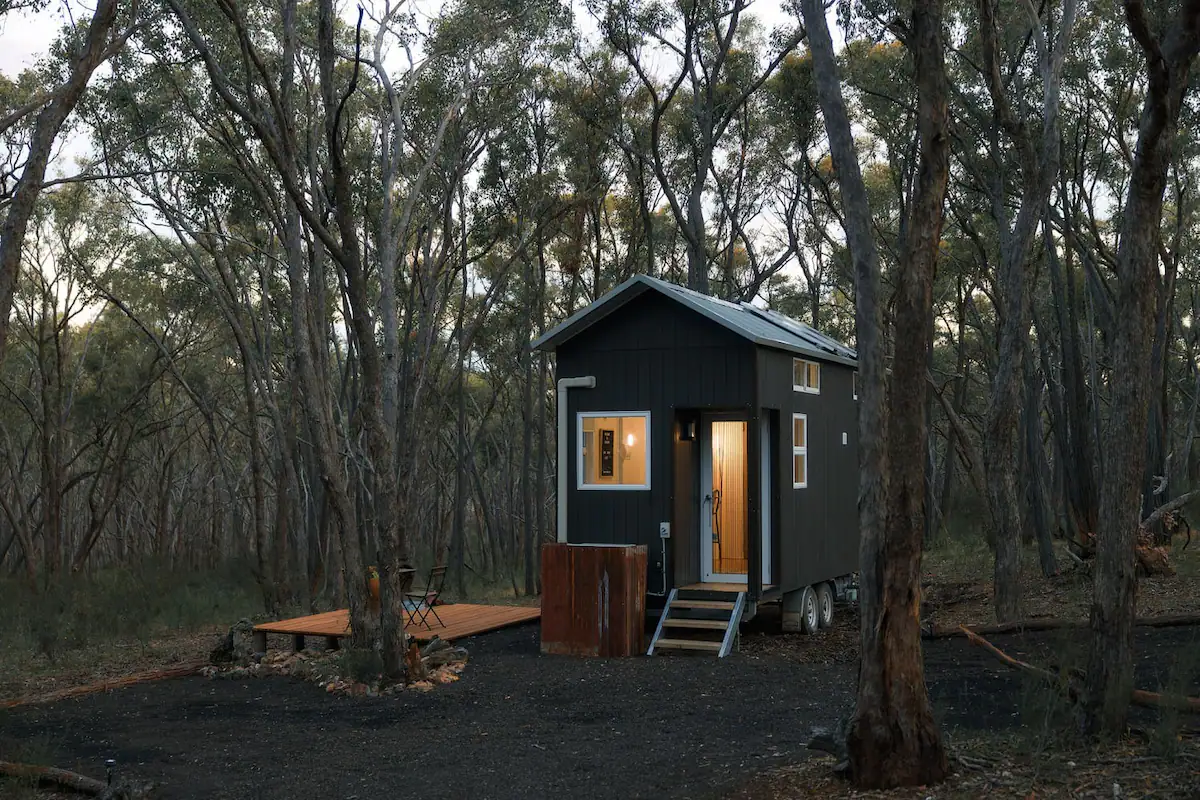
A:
[1039, 167]
[527, 423]
[541, 451]
[393, 531]
[1157, 428]
[316, 399]
[462, 492]
[51, 434]
[697, 259]
[1110, 662]
[264, 573]
[893, 738]
[1035, 462]
[1078, 445]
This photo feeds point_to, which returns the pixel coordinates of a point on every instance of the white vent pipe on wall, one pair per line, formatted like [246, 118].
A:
[564, 384]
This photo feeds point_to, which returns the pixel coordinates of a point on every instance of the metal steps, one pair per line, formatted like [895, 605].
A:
[699, 620]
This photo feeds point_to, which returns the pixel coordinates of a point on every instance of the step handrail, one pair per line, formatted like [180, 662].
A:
[735, 620]
[658, 632]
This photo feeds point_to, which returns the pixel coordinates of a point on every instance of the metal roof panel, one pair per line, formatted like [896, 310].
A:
[761, 326]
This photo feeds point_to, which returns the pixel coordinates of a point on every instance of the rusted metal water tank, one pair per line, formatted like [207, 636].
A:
[593, 599]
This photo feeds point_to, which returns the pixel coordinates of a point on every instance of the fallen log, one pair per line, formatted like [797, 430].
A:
[52, 776]
[1071, 688]
[181, 671]
[1051, 624]
[1167, 701]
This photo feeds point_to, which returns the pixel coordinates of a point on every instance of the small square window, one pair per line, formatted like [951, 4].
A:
[806, 376]
[614, 450]
[799, 451]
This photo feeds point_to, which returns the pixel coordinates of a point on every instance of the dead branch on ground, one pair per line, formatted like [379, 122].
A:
[52, 776]
[181, 671]
[56, 778]
[1069, 683]
[1050, 624]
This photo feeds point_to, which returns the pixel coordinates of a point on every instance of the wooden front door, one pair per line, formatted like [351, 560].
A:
[725, 494]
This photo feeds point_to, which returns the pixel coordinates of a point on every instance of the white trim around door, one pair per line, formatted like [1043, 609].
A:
[707, 500]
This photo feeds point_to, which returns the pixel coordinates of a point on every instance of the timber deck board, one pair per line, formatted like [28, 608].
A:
[462, 620]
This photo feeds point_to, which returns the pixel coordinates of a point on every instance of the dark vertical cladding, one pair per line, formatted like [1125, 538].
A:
[650, 352]
[649, 355]
[818, 524]
[685, 515]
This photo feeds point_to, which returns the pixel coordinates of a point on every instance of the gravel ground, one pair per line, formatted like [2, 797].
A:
[518, 725]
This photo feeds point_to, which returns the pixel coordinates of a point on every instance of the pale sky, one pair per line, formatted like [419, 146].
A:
[25, 36]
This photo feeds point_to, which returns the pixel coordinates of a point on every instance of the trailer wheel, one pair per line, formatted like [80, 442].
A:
[810, 617]
[825, 605]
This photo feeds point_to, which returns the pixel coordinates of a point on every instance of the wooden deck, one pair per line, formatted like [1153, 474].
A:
[461, 620]
[723, 587]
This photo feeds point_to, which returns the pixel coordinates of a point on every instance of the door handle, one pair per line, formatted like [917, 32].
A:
[716, 519]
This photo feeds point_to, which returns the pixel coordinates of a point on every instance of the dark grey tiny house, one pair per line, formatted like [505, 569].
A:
[722, 436]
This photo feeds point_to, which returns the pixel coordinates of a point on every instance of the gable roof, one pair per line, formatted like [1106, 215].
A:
[760, 326]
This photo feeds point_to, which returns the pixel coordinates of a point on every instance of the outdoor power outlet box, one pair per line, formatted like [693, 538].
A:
[664, 530]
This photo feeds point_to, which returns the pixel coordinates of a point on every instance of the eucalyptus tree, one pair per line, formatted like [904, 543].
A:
[301, 180]
[1010, 127]
[712, 71]
[181, 160]
[893, 739]
[112, 363]
[799, 195]
[82, 52]
[746, 242]
[1170, 45]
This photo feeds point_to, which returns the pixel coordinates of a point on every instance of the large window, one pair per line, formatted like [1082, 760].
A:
[614, 450]
[799, 451]
[806, 376]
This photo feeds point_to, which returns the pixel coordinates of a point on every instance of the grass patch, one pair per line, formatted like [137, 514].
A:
[479, 591]
[87, 624]
[965, 559]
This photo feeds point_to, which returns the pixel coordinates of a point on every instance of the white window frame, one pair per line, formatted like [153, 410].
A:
[801, 450]
[608, 487]
[854, 383]
[804, 387]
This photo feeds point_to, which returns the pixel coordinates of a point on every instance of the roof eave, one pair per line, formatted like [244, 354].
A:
[806, 352]
[588, 315]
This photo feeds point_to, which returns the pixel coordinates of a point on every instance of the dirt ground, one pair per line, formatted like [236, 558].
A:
[957, 586]
[522, 725]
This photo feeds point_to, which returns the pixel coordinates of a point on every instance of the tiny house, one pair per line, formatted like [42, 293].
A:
[722, 436]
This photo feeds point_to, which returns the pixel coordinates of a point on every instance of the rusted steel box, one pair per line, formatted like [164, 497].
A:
[593, 599]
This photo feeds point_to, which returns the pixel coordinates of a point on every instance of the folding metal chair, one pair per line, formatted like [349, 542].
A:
[422, 604]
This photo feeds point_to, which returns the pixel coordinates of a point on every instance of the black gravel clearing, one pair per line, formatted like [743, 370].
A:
[518, 724]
